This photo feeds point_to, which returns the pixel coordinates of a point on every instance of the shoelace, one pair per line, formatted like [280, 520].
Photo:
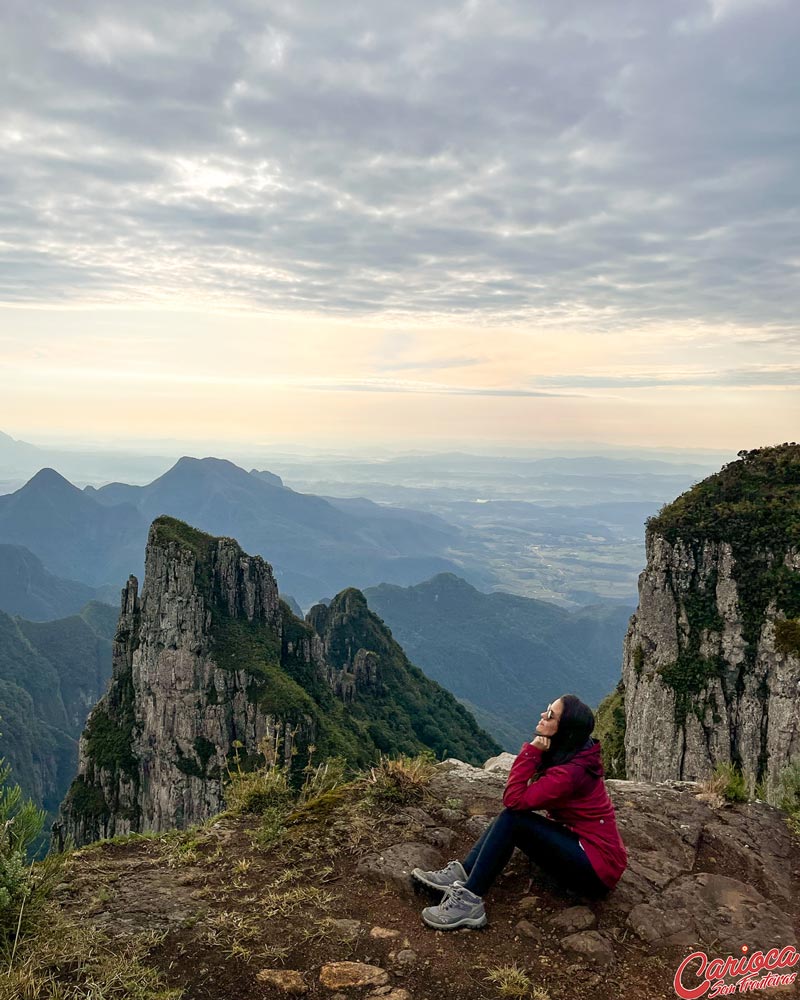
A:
[443, 871]
[452, 895]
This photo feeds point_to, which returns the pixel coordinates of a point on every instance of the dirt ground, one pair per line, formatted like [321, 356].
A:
[221, 910]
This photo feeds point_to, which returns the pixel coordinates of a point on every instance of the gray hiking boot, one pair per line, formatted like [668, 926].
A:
[443, 878]
[459, 908]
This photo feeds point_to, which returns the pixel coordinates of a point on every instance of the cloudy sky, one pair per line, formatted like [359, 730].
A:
[401, 221]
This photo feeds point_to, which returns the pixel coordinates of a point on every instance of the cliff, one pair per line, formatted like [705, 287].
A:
[711, 661]
[208, 663]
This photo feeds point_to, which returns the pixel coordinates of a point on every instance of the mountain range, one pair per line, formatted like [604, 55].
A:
[505, 657]
[316, 545]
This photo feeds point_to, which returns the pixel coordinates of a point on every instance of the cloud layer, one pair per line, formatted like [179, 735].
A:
[598, 164]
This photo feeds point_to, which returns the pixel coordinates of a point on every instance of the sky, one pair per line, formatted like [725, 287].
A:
[401, 222]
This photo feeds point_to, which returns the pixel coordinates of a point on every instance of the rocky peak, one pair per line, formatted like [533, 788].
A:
[711, 662]
[343, 626]
[209, 663]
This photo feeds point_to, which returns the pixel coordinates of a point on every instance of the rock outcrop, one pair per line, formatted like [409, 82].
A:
[711, 663]
[703, 874]
[210, 667]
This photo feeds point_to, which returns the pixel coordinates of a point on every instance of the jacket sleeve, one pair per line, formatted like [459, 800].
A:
[556, 784]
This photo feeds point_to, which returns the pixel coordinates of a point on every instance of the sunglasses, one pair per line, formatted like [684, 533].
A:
[550, 712]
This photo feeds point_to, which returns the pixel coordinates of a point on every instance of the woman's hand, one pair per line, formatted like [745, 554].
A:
[542, 742]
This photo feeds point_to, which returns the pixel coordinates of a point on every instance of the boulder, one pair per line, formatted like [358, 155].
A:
[345, 975]
[590, 946]
[573, 919]
[398, 860]
[288, 980]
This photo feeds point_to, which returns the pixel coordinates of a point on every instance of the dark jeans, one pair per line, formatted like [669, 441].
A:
[551, 845]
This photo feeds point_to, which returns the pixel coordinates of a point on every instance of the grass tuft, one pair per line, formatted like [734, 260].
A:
[512, 981]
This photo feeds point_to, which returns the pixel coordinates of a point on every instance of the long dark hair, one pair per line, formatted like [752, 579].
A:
[574, 731]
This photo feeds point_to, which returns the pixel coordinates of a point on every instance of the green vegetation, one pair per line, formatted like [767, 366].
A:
[48, 673]
[198, 768]
[754, 505]
[638, 660]
[87, 800]
[514, 981]
[730, 783]
[757, 498]
[24, 887]
[166, 530]
[400, 781]
[689, 676]
[481, 648]
[787, 636]
[788, 797]
[610, 730]
[108, 743]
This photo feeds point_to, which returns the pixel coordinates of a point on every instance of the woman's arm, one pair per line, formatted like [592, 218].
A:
[555, 784]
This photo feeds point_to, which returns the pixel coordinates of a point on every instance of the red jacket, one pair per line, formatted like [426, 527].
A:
[574, 794]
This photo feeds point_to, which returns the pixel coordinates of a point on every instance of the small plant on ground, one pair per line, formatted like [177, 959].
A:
[729, 783]
[322, 777]
[512, 981]
[254, 791]
[788, 797]
[400, 780]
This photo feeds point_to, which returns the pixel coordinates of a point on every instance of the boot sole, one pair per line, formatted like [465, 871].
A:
[474, 923]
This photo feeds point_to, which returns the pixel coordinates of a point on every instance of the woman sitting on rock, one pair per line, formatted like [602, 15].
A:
[579, 845]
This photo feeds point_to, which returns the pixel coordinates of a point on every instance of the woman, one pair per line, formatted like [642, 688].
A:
[579, 844]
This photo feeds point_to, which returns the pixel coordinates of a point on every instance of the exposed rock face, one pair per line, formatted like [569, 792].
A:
[693, 696]
[157, 744]
[210, 666]
[711, 663]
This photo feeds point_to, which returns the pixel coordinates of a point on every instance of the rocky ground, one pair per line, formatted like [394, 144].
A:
[329, 909]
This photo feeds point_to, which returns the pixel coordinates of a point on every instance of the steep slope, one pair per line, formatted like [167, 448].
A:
[28, 590]
[712, 656]
[51, 673]
[504, 656]
[209, 663]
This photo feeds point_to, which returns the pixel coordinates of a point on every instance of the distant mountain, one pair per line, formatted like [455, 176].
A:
[503, 656]
[315, 545]
[73, 535]
[51, 674]
[28, 590]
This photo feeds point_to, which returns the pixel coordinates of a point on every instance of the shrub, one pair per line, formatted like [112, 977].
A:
[262, 788]
[789, 793]
[321, 778]
[610, 730]
[787, 636]
[729, 782]
[400, 780]
[24, 887]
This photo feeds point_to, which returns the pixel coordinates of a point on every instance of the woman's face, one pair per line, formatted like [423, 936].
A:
[549, 726]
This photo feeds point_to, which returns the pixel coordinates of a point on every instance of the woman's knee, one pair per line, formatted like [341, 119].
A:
[508, 817]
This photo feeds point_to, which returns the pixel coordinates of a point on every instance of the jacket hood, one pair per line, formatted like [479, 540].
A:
[590, 757]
